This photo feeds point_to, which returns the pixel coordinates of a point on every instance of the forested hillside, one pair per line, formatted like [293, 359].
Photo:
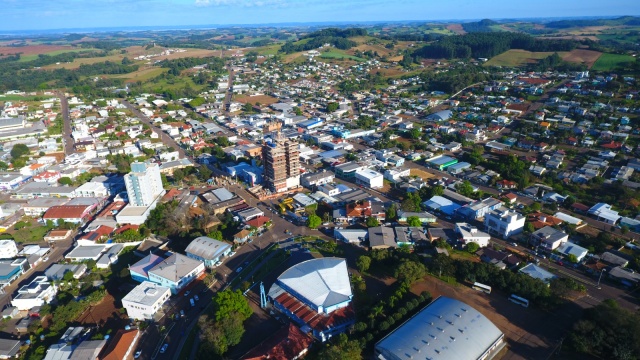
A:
[488, 45]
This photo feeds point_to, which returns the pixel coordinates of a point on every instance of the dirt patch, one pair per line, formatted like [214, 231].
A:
[456, 28]
[587, 57]
[529, 333]
[105, 314]
[421, 173]
[33, 49]
[262, 99]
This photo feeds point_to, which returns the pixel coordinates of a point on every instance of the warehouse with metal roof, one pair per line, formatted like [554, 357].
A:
[207, 250]
[446, 329]
[316, 294]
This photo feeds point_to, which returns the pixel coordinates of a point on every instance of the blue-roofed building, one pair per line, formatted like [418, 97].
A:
[444, 205]
[207, 250]
[311, 123]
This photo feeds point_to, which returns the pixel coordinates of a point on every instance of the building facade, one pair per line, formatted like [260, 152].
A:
[143, 184]
[281, 164]
[504, 222]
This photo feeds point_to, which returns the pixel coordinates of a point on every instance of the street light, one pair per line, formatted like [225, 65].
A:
[600, 277]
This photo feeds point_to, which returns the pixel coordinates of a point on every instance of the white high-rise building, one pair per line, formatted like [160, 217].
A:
[143, 183]
[8, 249]
[504, 222]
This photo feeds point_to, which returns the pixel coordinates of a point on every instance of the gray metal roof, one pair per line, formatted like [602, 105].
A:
[382, 236]
[445, 329]
[88, 251]
[88, 349]
[207, 248]
[223, 194]
[175, 267]
[9, 348]
[322, 282]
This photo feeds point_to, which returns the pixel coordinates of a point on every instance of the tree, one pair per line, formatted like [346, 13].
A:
[414, 221]
[205, 173]
[415, 133]
[332, 106]
[465, 188]
[297, 111]
[536, 206]
[343, 349]
[372, 222]
[392, 212]
[529, 228]
[472, 247]
[314, 221]
[410, 271]
[19, 150]
[572, 258]
[65, 180]
[363, 263]
[228, 302]
[178, 175]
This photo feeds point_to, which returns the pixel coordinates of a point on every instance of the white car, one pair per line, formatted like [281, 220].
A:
[163, 349]
[137, 355]
[239, 269]
[232, 253]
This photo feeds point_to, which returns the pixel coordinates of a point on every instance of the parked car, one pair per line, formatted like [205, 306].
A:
[232, 253]
[137, 355]
[193, 303]
[163, 349]
[187, 293]
[196, 297]
[181, 313]
[239, 269]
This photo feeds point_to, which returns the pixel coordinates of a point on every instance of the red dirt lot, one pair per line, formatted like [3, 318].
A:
[530, 333]
[32, 49]
[456, 28]
[106, 314]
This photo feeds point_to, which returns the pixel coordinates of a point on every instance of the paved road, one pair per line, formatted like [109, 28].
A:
[66, 136]
[166, 139]
[227, 98]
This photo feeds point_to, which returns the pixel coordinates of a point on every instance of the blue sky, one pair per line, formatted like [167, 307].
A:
[56, 14]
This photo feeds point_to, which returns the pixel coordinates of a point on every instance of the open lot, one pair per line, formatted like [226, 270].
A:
[421, 173]
[608, 62]
[140, 75]
[262, 99]
[529, 333]
[36, 49]
[339, 55]
[105, 314]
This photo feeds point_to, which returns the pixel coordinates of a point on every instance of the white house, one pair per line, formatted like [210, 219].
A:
[144, 301]
[174, 272]
[470, 233]
[369, 178]
[36, 293]
[8, 249]
[504, 222]
[549, 238]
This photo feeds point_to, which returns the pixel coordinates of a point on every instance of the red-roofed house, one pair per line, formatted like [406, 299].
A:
[100, 233]
[258, 222]
[510, 197]
[285, 344]
[581, 208]
[68, 213]
[506, 184]
[611, 145]
[121, 346]
[48, 177]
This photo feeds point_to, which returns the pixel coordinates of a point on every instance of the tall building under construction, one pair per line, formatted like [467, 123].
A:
[281, 159]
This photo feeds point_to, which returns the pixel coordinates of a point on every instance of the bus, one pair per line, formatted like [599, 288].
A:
[519, 300]
[482, 287]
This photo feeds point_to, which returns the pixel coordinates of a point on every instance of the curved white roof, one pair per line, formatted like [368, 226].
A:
[322, 282]
[446, 329]
[207, 248]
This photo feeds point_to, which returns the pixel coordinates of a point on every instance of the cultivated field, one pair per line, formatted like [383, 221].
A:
[517, 57]
[456, 28]
[35, 49]
[608, 62]
[395, 71]
[581, 56]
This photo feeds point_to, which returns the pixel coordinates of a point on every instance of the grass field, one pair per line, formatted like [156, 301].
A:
[140, 75]
[25, 58]
[337, 54]
[268, 50]
[23, 98]
[608, 62]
